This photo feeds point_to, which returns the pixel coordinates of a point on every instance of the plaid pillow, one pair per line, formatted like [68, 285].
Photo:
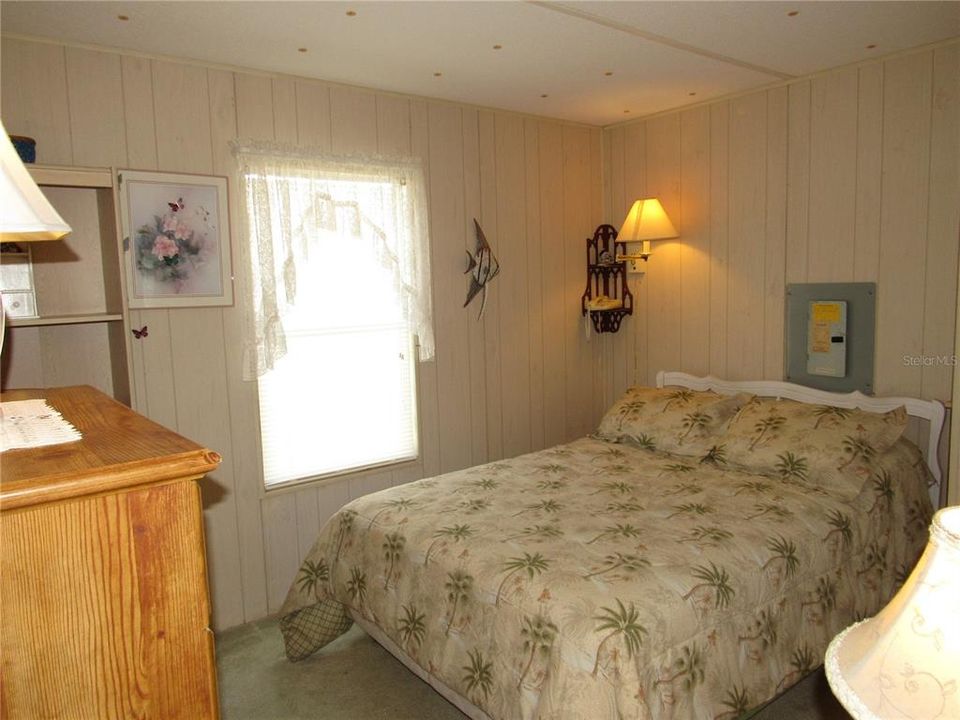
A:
[308, 630]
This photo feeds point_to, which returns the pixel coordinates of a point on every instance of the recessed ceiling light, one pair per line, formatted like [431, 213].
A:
[351, 13]
[871, 46]
[301, 49]
[793, 13]
[498, 47]
[437, 74]
[123, 17]
[608, 73]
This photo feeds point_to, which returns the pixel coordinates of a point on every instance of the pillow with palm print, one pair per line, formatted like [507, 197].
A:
[673, 420]
[816, 445]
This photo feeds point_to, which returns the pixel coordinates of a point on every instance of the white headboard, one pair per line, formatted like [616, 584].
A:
[930, 410]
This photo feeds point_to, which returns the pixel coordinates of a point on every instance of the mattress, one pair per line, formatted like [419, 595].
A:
[603, 580]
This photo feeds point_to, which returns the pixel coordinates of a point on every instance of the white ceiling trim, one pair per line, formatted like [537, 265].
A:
[574, 123]
[653, 37]
[784, 83]
[244, 69]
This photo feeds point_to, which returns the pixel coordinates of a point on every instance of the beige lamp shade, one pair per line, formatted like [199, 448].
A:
[904, 663]
[646, 221]
[25, 213]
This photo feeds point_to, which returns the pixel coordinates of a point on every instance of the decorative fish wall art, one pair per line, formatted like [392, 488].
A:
[483, 267]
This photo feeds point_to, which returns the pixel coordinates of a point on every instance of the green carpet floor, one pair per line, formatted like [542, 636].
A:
[353, 678]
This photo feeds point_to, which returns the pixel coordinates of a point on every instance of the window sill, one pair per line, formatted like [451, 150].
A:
[339, 476]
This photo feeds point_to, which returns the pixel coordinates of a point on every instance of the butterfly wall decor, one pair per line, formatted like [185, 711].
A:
[141, 333]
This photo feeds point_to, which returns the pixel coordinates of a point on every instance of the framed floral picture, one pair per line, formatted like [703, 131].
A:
[176, 239]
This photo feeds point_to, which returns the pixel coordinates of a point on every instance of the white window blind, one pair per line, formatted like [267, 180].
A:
[340, 399]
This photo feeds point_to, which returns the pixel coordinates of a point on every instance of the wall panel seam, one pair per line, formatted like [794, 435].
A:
[882, 172]
[809, 163]
[708, 231]
[766, 227]
[173, 389]
[426, 161]
[726, 222]
[856, 176]
[66, 91]
[543, 314]
[926, 228]
[680, 254]
[526, 185]
[126, 132]
[237, 477]
[494, 328]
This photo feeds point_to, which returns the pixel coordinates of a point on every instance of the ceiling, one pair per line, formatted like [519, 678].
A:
[592, 62]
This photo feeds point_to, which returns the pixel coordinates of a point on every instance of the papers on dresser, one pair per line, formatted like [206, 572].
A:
[33, 423]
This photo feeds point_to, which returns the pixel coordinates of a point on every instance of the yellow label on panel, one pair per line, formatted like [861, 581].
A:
[820, 337]
[826, 312]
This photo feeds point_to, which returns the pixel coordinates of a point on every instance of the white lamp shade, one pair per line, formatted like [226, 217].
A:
[647, 220]
[25, 213]
[905, 661]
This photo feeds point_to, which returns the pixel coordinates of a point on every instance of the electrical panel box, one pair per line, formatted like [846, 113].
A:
[827, 338]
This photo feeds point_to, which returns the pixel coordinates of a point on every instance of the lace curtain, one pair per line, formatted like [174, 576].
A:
[290, 196]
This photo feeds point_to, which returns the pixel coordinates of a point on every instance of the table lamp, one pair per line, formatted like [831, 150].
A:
[25, 213]
[904, 663]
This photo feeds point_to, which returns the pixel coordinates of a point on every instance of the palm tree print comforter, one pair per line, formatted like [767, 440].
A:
[602, 580]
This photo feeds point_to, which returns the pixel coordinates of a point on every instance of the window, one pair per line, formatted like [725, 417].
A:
[344, 395]
[339, 296]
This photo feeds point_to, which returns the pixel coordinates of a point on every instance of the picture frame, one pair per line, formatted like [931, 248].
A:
[176, 239]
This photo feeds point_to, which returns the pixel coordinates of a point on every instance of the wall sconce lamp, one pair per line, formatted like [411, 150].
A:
[905, 661]
[646, 221]
[25, 213]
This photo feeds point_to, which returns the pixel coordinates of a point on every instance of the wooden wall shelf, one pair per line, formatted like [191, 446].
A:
[608, 278]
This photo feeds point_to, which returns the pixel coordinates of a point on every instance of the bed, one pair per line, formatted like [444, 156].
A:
[691, 559]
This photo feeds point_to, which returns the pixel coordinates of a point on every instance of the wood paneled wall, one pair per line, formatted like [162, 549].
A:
[852, 175]
[523, 378]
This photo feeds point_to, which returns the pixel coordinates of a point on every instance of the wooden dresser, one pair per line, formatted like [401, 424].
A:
[105, 609]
